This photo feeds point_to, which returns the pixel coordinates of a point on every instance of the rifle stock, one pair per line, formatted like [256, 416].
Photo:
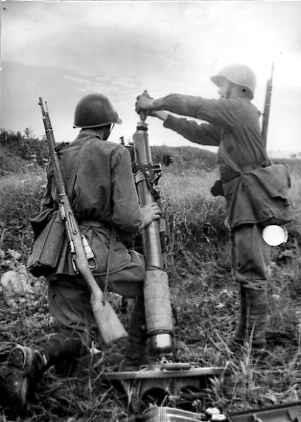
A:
[106, 319]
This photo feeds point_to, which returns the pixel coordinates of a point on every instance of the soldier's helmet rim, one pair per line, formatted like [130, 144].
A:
[238, 74]
[94, 110]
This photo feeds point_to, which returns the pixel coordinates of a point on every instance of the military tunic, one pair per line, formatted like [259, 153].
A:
[255, 191]
[100, 186]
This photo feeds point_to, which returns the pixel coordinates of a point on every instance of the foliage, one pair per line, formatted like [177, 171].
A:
[20, 196]
[22, 146]
[195, 219]
[206, 305]
[185, 157]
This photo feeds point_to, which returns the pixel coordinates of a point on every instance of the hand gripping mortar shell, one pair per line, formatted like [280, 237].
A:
[158, 312]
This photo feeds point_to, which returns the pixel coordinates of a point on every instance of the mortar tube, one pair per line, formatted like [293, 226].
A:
[160, 336]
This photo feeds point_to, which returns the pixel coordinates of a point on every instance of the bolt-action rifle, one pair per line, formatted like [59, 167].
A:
[106, 319]
[267, 107]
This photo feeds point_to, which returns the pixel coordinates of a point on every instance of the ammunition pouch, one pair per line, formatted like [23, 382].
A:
[217, 189]
[47, 247]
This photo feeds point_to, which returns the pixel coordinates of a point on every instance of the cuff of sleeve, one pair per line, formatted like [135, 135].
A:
[158, 104]
[169, 123]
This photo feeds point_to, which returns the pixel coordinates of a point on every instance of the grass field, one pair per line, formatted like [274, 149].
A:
[203, 293]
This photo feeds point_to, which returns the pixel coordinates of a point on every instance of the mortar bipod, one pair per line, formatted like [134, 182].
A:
[163, 383]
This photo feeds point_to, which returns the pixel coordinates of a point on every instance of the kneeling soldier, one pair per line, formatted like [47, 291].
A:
[101, 190]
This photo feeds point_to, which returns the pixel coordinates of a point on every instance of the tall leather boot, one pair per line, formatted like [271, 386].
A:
[257, 315]
[297, 306]
[240, 334]
[256, 301]
[26, 364]
[55, 349]
[136, 352]
[253, 318]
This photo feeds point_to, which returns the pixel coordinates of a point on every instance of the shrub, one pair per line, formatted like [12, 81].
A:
[20, 196]
[24, 146]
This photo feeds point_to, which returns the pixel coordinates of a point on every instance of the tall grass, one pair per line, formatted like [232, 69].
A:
[203, 292]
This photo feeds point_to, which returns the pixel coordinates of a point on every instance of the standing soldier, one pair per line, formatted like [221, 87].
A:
[255, 191]
[100, 186]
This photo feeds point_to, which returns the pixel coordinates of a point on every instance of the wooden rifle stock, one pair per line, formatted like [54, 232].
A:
[106, 319]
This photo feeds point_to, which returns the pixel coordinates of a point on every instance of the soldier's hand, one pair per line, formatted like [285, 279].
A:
[144, 102]
[150, 213]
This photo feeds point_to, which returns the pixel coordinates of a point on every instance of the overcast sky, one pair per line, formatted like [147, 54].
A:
[121, 48]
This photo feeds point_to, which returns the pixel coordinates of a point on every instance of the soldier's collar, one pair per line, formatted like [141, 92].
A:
[87, 133]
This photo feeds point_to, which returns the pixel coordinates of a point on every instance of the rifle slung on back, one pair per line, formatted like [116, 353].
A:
[106, 319]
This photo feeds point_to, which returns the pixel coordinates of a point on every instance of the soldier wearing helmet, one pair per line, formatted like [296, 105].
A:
[99, 183]
[255, 191]
[94, 111]
[242, 78]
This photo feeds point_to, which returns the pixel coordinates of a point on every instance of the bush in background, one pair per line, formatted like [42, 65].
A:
[184, 158]
[16, 147]
[20, 196]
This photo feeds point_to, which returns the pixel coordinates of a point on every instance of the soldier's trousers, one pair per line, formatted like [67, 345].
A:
[69, 297]
[250, 256]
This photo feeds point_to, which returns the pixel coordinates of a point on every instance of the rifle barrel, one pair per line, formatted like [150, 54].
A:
[267, 107]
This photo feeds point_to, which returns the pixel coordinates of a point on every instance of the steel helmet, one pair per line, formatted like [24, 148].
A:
[94, 110]
[238, 74]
